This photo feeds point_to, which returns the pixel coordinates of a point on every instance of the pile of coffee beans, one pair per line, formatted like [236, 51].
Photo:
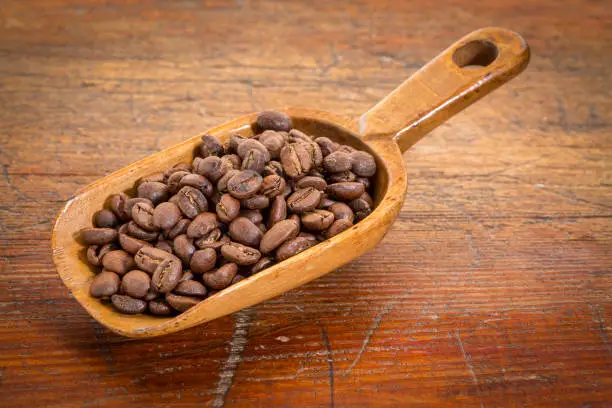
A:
[237, 209]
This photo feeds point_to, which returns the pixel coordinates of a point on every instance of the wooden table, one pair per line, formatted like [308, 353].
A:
[493, 288]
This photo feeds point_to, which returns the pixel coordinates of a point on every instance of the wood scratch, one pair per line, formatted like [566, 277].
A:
[234, 359]
[598, 318]
[11, 186]
[386, 309]
[249, 86]
[330, 364]
[468, 362]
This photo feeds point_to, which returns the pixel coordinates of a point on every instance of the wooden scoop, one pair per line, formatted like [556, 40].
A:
[471, 68]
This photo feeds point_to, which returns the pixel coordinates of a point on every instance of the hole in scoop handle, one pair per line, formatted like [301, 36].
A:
[462, 74]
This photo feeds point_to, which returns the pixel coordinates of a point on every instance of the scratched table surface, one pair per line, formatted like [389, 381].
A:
[492, 289]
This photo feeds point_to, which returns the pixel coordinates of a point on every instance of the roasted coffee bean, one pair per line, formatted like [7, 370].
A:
[240, 254]
[316, 157]
[174, 181]
[202, 225]
[274, 120]
[345, 191]
[233, 160]
[215, 198]
[184, 248]
[151, 294]
[295, 159]
[167, 274]
[205, 242]
[135, 283]
[105, 284]
[278, 210]
[210, 240]
[220, 278]
[178, 167]
[163, 245]
[190, 288]
[245, 231]
[159, 307]
[254, 215]
[342, 211]
[254, 160]
[237, 279]
[235, 140]
[181, 303]
[129, 204]
[304, 200]
[294, 247]
[191, 201]
[142, 215]
[361, 214]
[279, 233]
[105, 219]
[134, 230]
[128, 305]
[316, 173]
[203, 260]
[228, 208]
[154, 191]
[337, 227]
[179, 228]
[337, 161]
[198, 182]
[310, 181]
[263, 263]
[149, 258]
[365, 181]
[210, 146]
[257, 202]
[272, 141]
[346, 149]
[297, 136]
[274, 167]
[272, 185]
[223, 181]
[117, 205]
[98, 236]
[251, 144]
[187, 275]
[212, 167]
[295, 218]
[318, 220]
[245, 184]
[341, 177]
[95, 253]
[166, 215]
[363, 164]
[159, 177]
[325, 201]
[326, 145]
[363, 202]
[118, 261]
[131, 244]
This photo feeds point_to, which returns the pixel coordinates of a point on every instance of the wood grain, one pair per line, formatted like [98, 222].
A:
[492, 288]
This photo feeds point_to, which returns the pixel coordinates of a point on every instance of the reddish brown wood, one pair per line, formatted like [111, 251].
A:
[492, 288]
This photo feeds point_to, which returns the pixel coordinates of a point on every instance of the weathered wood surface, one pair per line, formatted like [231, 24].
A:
[492, 289]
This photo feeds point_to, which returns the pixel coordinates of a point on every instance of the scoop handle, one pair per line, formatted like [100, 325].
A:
[475, 65]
